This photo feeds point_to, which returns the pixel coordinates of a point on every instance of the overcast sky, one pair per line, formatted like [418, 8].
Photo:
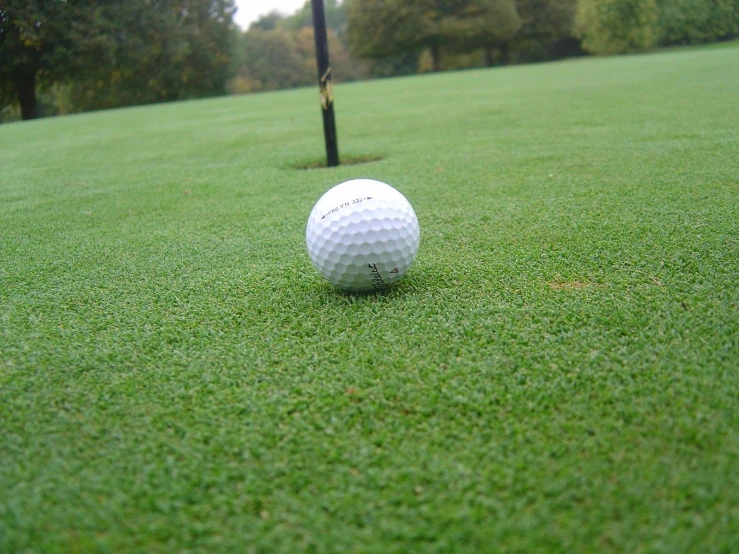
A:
[250, 10]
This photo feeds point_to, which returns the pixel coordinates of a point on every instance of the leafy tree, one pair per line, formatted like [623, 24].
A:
[616, 26]
[268, 22]
[379, 28]
[546, 18]
[270, 60]
[476, 24]
[545, 33]
[278, 59]
[279, 52]
[343, 66]
[114, 53]
[336, 17]
[696, 21]
[164, 50]
[46, 41]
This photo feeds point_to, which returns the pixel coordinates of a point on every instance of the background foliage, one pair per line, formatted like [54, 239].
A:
[91, 54]
[64, 56]
[616, 26]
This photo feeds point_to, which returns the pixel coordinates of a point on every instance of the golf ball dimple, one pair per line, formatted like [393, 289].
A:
[362, 235]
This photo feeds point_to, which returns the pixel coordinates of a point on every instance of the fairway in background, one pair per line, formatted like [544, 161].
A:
[556, 372]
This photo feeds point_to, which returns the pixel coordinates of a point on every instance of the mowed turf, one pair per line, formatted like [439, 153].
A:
[558, 372]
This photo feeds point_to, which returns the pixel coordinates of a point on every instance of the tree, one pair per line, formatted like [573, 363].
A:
[114, 53]
[336, 17]
[268, 22]
[545, 32]
[343, 67]
[279, 52]
[379, 28]
[696, 21]
[480, 24]
[46, 41]
[616, 26]
[546, 18]
[164, 50]
[269, 60]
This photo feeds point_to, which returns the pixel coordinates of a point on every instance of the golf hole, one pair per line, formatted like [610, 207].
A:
[344, 160]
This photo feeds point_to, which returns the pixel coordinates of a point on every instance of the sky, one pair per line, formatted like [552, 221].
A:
[250, 10]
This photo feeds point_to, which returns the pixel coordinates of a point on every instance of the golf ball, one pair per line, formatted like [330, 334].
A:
[362, 235]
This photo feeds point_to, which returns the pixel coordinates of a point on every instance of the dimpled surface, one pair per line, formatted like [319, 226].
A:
[362, 235]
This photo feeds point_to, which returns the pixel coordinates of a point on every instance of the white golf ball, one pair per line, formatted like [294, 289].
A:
[362, 235]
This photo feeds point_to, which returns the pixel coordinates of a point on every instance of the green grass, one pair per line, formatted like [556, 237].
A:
[557, 372]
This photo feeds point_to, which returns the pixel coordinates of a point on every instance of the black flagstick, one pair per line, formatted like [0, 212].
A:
[324, 82]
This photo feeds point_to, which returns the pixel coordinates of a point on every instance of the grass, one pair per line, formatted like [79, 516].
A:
[557, 372]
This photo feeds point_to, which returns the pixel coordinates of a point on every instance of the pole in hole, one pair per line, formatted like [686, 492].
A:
[324, 83]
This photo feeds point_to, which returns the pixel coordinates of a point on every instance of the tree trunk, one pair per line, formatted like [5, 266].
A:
[489, 60]
[505, 54]
[25, 86]
[436, 57]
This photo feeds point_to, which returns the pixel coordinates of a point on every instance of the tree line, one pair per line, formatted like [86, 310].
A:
[64, 56]
[61, 56]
